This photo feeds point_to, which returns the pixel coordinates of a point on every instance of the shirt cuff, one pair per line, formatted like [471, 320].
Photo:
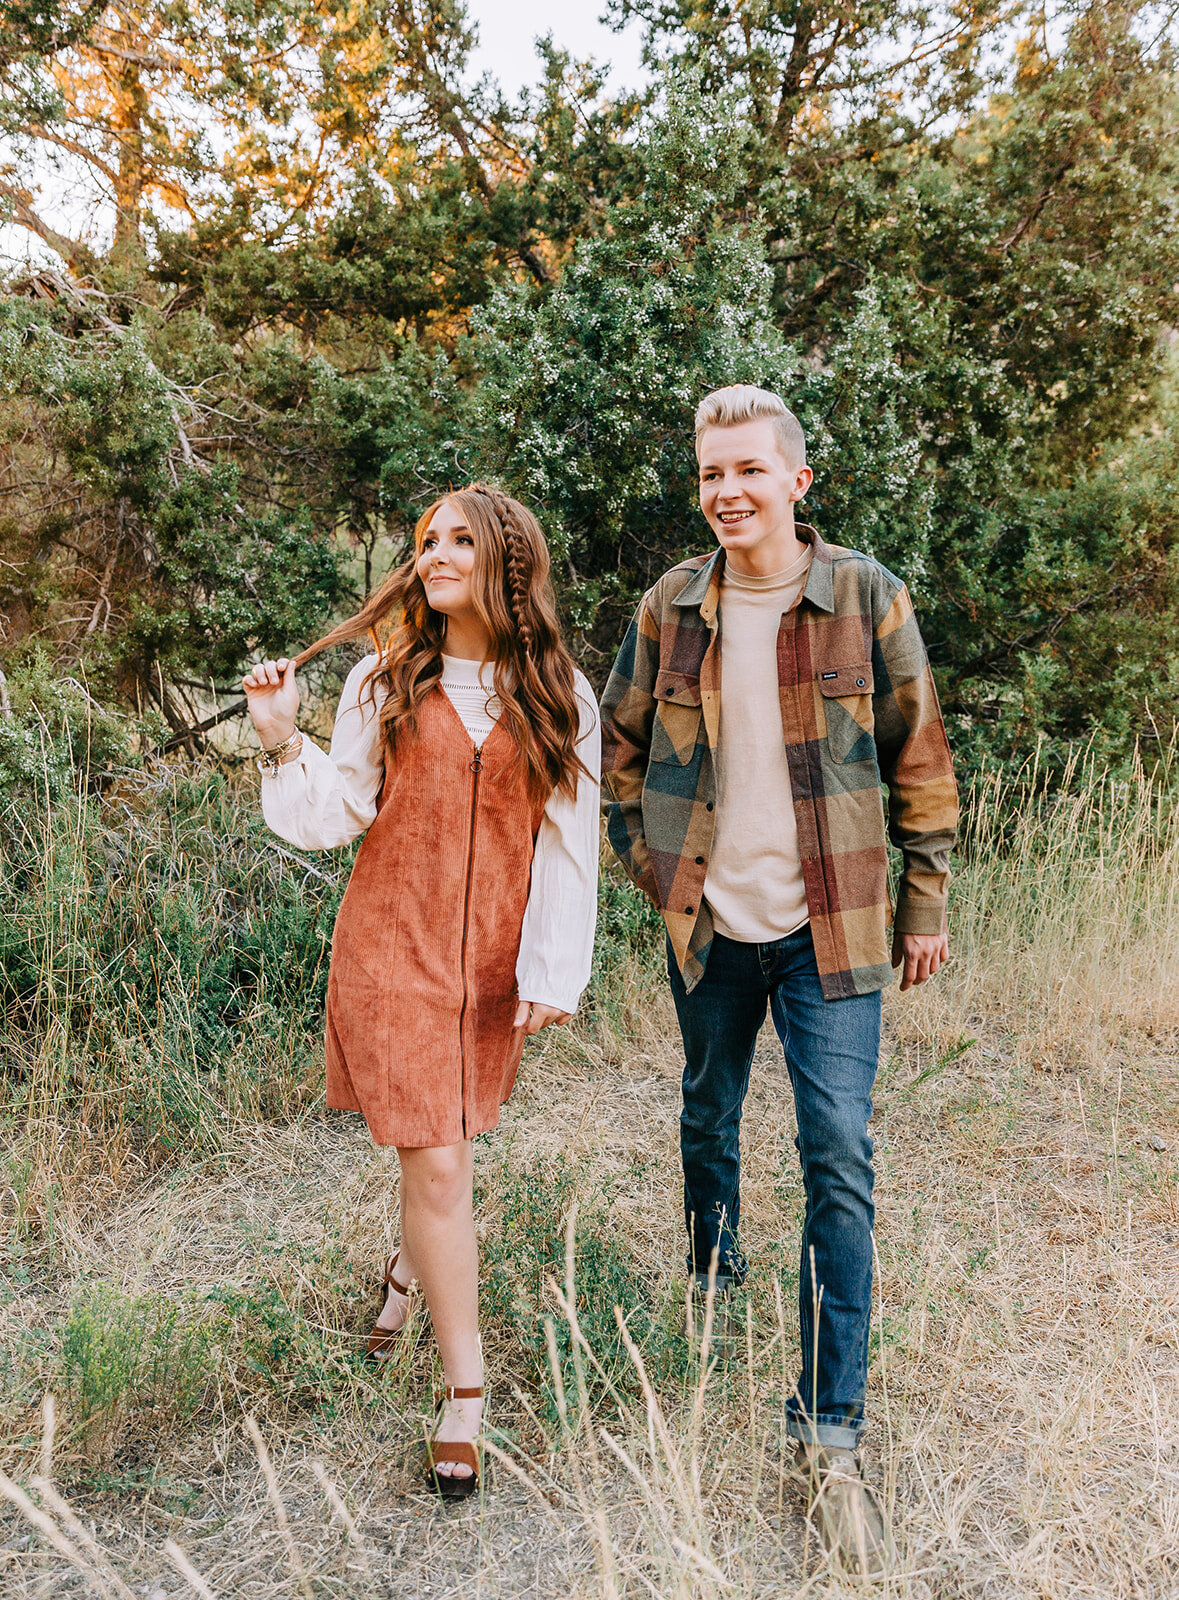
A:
[925, 917]
[289, 774]
[543, 994]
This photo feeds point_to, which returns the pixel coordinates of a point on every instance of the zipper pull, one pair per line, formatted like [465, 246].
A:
[477, 761]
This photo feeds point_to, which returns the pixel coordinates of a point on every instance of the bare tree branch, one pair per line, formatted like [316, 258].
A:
[74, 252]
[38, 130]
[184, 735]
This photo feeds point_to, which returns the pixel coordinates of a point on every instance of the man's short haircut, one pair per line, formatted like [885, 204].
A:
[745, 402]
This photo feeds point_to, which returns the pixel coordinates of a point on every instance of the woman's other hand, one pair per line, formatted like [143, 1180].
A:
[273, 699]
[532, 1017]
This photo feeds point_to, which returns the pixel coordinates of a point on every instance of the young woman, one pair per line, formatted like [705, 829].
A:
[466, 749]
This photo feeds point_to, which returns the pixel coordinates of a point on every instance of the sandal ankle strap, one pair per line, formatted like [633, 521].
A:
[389, 1281]
[451, 1393]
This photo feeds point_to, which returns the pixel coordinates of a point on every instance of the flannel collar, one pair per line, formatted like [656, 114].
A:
[702, 589]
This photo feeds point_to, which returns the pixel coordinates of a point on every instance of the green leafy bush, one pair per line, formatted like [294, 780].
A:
[55, 733]
[132, 1369]
[525, 1254]
[629, 926]
[162, 953]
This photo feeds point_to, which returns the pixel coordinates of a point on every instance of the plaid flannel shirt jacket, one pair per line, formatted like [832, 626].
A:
[858, 706]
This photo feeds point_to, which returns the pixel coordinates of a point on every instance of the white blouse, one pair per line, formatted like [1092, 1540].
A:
[322, 800]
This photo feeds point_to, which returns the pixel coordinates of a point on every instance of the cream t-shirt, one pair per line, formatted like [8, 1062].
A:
[754, 885]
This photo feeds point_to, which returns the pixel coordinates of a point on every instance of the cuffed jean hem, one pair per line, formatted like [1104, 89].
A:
[837, 1431]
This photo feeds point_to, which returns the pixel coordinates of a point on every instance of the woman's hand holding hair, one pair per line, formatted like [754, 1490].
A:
[533, 1017]
[272, 697]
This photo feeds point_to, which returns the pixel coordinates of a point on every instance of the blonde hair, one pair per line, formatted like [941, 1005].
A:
[745, 402]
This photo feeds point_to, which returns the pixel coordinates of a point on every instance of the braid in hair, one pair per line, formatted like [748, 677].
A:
[517, 567]
[534, 672]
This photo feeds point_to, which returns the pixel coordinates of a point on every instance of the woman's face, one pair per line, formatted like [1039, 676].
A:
[446, 563]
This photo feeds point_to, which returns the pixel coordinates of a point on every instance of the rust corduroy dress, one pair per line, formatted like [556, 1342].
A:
[422, 987]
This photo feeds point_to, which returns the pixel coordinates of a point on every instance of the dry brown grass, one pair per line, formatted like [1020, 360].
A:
[1024, 1392]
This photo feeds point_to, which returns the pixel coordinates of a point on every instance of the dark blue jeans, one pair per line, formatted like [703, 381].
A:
[831, 1049]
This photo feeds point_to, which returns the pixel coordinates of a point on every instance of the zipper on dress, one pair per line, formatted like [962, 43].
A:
[476, 767]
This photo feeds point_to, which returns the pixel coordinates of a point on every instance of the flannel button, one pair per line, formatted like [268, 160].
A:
[699, 861]
[708, 806]
[689, 910]
[860, 682]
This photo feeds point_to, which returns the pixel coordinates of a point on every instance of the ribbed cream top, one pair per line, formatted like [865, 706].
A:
[470, 688]
[754, 884]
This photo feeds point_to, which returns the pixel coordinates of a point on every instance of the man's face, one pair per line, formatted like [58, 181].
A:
[748, 493]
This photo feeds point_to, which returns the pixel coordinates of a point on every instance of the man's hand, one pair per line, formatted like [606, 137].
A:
[532, 1017]
[922, 954]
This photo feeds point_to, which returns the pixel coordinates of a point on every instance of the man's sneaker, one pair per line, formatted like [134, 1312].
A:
[722, 1306]
[845, 1509]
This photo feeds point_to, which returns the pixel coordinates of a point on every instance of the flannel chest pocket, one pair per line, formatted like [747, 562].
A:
[677, 718]
[847, 707]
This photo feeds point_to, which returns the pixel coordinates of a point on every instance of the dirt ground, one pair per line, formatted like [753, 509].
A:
[1024, 1390]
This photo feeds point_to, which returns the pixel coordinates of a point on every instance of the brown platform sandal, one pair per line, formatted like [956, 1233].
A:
[382, 1340]
[457, 1452]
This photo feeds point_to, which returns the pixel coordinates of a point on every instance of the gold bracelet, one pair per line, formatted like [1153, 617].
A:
[273, 758]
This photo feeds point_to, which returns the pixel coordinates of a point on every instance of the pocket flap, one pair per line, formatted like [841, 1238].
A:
[677, 689]
[843, 681]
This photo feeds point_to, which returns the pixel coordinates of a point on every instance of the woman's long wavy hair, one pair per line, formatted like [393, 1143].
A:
[532, 668]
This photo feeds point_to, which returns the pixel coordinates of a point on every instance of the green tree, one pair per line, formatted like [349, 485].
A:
[587, 393]
[262, 105]
[947, 233]
[120, 543]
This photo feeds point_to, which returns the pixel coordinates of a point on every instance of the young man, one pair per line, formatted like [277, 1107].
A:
[760, 696]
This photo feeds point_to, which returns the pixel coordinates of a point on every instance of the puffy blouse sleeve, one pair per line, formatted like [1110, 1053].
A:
[557, 938]
[328, 798]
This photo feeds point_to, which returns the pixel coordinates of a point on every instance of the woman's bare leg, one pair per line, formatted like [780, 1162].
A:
[438, 1234]
[395, 1311]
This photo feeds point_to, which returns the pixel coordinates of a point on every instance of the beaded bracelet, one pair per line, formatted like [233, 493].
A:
[273, 758]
